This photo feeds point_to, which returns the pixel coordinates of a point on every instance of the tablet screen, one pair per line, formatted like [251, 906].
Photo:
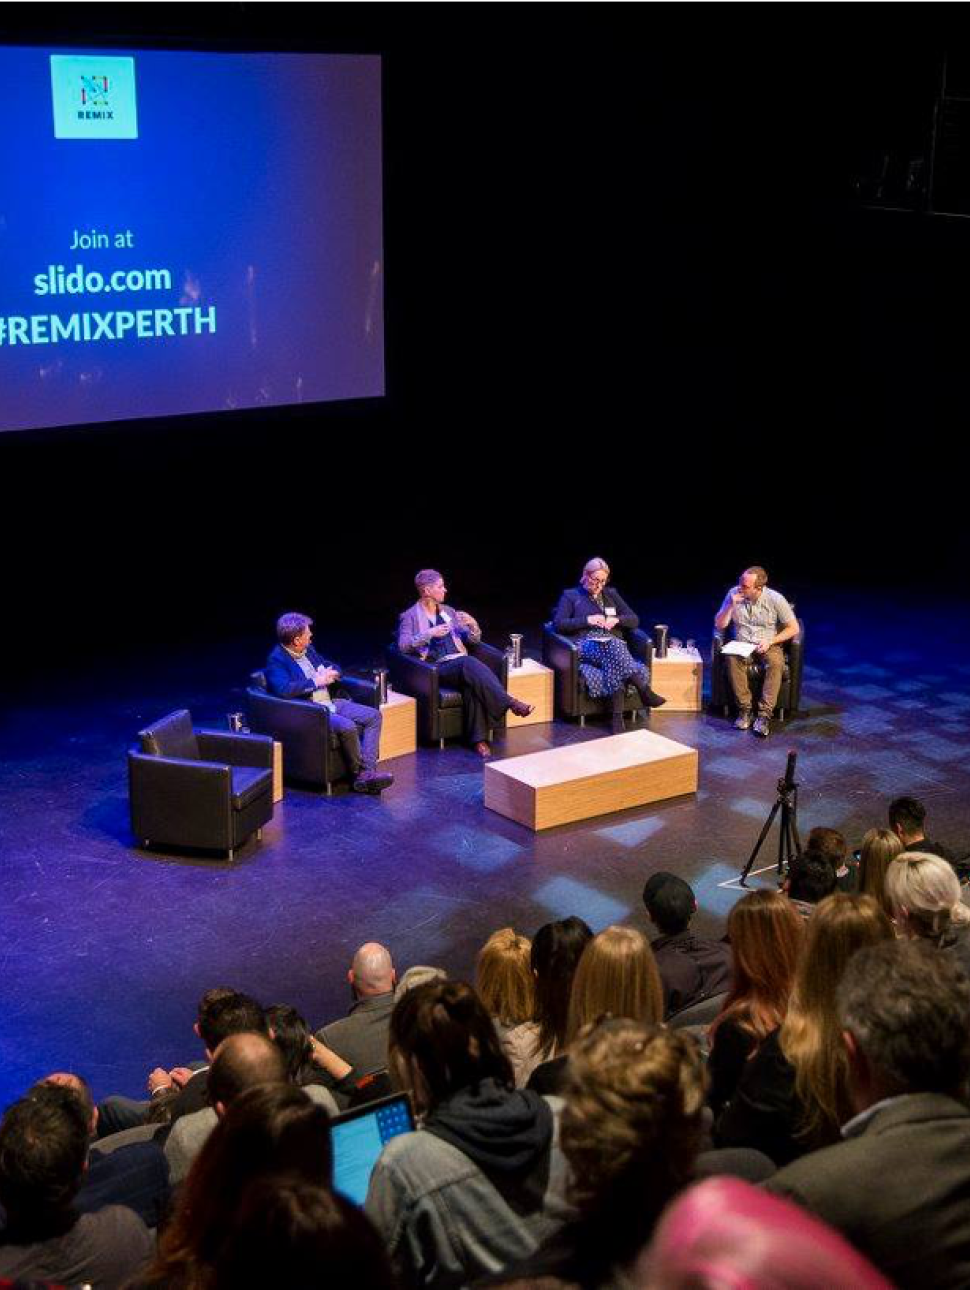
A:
[358, 1139]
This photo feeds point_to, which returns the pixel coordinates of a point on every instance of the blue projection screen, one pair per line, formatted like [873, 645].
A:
[187, 232]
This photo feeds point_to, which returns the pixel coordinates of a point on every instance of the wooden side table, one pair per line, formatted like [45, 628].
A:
[680, 679]
[532, 683]
[277, 771]
[399, 727]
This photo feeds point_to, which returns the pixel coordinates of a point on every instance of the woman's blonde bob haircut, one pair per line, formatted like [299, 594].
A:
[617, 974]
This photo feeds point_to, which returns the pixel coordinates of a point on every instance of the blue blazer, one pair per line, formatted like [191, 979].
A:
[285, 678]
[576, 605]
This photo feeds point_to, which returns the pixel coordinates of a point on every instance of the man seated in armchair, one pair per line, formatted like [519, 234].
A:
[762, 617]
[294, 670]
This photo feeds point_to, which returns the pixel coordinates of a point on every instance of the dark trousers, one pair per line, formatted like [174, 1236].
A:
[358, 728]
[485, 703]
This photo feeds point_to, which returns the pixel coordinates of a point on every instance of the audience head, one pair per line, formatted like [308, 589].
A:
[420, 974]
[811, 1033]
[924, 895]
[290, 626]
[617, 974]
[766, 935]
[829, 843]
[372, 971]
[43, 1153]
[631, 1126]
[291, 1035]
[880, 847]
[811, 877]
[670, 902]
[905, 1011]
[442, 1040]
[504, 977]
[556, 951]
[269, 1129]
[726, 1233]
[299, 1234]
[228, 1012]
[240, 1062]
[81, 1090]
[907, 819]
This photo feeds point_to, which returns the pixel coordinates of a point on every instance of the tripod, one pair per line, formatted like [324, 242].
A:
[789, 843]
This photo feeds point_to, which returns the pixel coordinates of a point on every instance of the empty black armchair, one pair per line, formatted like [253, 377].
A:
[561, 653]
[440, 713]
[790, 694]
[210, 789]
[311, 750]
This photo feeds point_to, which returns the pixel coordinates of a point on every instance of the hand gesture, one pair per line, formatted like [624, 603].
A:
[158, 1079]
[466, 621]
[596, 620]
[611, 622]
[327, 675]
[737, 595]
[762, 647]
[437, 632]
[180, 1076]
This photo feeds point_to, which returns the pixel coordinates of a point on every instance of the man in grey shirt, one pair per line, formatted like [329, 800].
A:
[765, 619]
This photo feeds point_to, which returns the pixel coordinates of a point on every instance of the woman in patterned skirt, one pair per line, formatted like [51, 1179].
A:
[597, 615]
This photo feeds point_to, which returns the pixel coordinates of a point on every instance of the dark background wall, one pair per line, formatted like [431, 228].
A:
[635, 307]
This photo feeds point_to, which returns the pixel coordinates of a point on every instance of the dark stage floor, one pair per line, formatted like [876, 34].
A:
[105, 949]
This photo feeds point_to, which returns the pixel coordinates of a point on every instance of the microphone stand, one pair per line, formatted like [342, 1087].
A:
[789, 843]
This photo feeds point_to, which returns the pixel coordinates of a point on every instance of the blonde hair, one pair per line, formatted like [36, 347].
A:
[504, 977]
[616, 974]
[924, 895]
[879, 848]
[594, 566]
[811, 1033]
[766, 934]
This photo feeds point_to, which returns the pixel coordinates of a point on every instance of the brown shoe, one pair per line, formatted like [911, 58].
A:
[483, 749]
[520, 709]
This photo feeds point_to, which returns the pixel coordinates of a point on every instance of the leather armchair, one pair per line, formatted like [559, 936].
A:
[210, 789]
[790, 694]
[561, 653]
[311, 750]
[440, 713]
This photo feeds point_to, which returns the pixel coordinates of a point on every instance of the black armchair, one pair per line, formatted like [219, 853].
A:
[790, 694]
[311, 750]
[440, 712]
[561, 653]
[199, 788]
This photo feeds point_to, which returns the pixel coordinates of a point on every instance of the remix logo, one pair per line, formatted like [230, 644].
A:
[93, 96]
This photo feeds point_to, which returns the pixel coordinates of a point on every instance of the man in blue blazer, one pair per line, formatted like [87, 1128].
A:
[294, 670]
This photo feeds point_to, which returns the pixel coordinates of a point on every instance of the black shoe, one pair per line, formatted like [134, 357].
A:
[650, 698]
[372, 781]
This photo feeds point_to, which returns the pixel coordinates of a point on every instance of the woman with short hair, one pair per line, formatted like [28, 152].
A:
[596, 615]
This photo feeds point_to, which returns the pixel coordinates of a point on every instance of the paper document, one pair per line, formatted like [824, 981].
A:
[742, 648]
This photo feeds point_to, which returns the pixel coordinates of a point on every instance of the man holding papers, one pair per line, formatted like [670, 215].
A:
[763, 620]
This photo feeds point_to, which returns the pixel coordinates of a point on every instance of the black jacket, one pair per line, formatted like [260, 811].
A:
[576, 605]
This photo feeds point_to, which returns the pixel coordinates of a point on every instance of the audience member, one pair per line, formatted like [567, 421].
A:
[556, 950]
[420, 974]
[135, 1175]
[268, 1129]
[831, 844]
[793, 1094]
[117, 1113]
[506, 987]
[924, 894]
[880, 847]
[691, 967]
[723, 1233]
[897, 1185]
[239, 1063]
[811, 878]
[766, 935]
[616, 976]
[360, 1038]
[481, 1182]
[907, 819]
[299, 1234]
[44, 1141]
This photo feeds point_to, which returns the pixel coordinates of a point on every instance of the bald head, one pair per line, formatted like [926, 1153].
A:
[242, 1061]
[372, 971]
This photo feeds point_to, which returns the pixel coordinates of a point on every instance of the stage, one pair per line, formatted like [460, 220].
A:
[106, 948]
